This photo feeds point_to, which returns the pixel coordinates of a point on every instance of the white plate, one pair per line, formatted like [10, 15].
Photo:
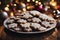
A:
[27, 32]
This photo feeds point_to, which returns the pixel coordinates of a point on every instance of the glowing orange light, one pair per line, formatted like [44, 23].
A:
[24, 9]
[14, 4]
[53, 3]
[33, 0]
[7, 5]
[6, 9]
[28, 7]
[19, 10]
[56, 7]
[28, 0]
[52, 0]
[36, 2]
[39, 3]
[11, 14]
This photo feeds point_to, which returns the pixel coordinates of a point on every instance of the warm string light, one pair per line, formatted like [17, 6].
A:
[24, 9]
[6, 9]
[7, 5]
[24, 6]
[53, 3]
[15, 5]
[19, 10]
[39, 3]
[28, 7]
[28, 0]
[36, 2]
[33, 0]
[11, 14]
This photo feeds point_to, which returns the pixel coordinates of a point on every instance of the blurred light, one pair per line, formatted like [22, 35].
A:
[53, 3]
[57, 16]
[19, 10]
[54, 14]
[7, 5]
[0, 3]
[41, 6]
[56, 7]
[16, 1]
[39, 3]
[28, 0]
[36, 2]
[46, 8]
[33, 0]
[23, 5]
[6, 9]
[11, 14]
[28, 7]
[52, 0]
[14, 4]
[24, 9]
[54, 11]
[58, 12]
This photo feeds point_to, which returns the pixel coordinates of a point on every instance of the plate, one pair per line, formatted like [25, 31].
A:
[38, 22]
[28, 32]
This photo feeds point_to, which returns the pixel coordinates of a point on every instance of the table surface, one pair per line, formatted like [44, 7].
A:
[53, 34]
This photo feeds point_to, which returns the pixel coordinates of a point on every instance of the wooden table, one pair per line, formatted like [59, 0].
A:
[53, 34]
